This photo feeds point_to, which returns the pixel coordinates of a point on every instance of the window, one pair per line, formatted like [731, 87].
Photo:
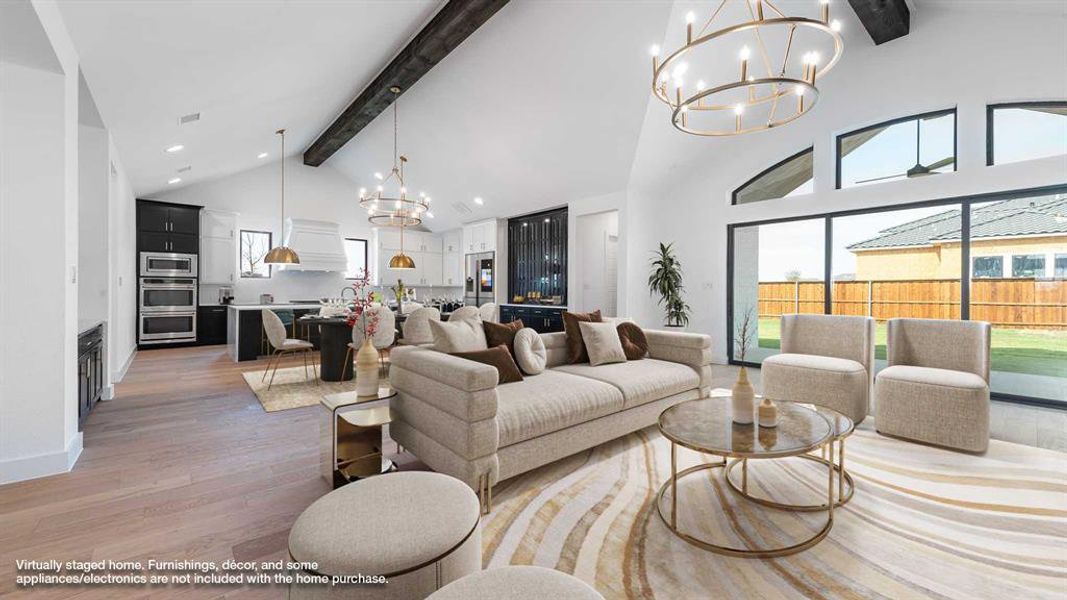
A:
[1028, 265]
[1025, 131]
[987, 266]
[1061, 266]
[905, 148]
[254, 248]
[791, 177]
[356, 252]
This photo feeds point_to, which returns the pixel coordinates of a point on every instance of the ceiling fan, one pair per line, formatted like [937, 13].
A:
[919, 170]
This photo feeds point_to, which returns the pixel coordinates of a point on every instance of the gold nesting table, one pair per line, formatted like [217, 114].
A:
[706, 426]
[350, 432]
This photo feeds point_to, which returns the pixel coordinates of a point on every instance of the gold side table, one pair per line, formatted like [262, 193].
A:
[843, 427]
[350, 433]
[706, 426]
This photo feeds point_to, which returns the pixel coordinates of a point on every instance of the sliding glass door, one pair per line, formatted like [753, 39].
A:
[1003, 261]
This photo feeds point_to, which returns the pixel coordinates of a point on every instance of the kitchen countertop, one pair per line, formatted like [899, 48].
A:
[275, 306]
[531, 304]
[87, 324]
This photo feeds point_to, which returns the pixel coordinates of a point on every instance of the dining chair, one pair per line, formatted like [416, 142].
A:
[464, 312]
[382, 339]
[417, 326]
[488, 312]
[282, 345]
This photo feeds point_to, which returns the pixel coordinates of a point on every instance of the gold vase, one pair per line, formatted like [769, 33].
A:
[743, 399]
[367, 369]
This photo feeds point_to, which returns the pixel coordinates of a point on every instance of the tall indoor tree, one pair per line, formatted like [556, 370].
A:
[666, 280]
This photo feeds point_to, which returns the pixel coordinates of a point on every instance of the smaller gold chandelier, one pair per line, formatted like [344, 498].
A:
[780, 86]
[395, 208]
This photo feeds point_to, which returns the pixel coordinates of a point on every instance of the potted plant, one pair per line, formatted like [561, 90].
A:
[743, 396]
[367, 355]
[666, 280]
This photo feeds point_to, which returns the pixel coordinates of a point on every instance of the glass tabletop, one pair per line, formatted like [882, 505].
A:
[707, 425]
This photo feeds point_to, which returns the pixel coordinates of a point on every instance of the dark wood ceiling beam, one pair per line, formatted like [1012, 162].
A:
[884, 20]
[447, 30]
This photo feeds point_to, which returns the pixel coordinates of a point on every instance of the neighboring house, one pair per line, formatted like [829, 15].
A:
[1022, 238]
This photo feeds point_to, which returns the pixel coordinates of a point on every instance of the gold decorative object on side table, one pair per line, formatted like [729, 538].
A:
[350, 434]
[706, 426]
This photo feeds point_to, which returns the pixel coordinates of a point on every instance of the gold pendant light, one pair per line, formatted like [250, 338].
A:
[282, 254]
[401, 261]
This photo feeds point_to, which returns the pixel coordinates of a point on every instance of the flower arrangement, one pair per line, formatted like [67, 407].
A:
[363, 300]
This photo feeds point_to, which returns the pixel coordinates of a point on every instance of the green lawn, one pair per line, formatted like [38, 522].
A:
[1030, 351]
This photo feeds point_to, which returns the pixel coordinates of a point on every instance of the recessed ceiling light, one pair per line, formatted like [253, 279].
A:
[185, 168]
[174, 148]
[175, 180]
[262, 155]
[548, 220]
[478, 200]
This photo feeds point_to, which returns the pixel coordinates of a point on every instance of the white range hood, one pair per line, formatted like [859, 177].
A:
[317, 243]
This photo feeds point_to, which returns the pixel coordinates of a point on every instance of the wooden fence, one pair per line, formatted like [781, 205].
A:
[1018, 303]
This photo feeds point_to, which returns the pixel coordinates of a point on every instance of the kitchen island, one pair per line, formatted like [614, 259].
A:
[542, 318]
[245, 339]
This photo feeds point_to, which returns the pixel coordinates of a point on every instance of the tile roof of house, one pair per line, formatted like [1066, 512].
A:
[1020, 216]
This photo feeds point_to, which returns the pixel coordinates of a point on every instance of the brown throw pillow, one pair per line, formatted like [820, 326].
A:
[499, 357]
[633, 341]
[576, 352]
[502, 333]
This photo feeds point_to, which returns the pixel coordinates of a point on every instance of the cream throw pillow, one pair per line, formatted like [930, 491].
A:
[530, 351]
[463, 335]
[602, 342]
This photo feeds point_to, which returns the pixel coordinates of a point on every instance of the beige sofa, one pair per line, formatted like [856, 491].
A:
[936, 387]
[826, 360]
[452, 414]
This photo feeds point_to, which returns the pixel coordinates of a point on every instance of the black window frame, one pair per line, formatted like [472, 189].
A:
[998, 257]
[366, 256]
[809, 149]
[991, 108]
[896, 121]
[1028, 257]
[966, 204]
[240, 256]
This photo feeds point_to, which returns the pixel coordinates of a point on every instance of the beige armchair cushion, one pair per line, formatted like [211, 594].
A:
[940, 344]
[936, 406]
[837, 383]
[549, 402]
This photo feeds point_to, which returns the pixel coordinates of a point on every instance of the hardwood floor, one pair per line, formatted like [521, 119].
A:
[182, 464]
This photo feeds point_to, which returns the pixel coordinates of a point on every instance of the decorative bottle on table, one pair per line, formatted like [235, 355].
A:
[743, 397]
[367, 355]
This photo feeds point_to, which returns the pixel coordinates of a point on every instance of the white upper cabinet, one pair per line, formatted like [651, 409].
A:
[451, 241]
[479, 237]
[218, 247]
[452, 269]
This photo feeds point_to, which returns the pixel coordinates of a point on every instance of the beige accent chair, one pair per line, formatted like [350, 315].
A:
[419, 530]
[827, 360]
[464, 312]
[488, 312]
[457, 419]
[936, 387]
[517, 582]
[417, 326]
[383, 337]
[276, 336]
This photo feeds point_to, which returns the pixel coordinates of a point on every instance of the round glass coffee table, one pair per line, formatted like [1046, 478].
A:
[706, 426]
[842, 429]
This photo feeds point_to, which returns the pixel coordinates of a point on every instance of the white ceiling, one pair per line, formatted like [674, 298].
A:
[249, 68]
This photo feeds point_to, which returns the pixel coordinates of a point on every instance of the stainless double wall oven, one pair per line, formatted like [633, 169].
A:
[167, 298]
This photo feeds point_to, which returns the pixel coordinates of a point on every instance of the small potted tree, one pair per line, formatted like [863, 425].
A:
[743, 395]
[666, 281]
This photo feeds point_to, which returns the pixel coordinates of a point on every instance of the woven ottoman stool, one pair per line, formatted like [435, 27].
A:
[417, 529]
[517, 583]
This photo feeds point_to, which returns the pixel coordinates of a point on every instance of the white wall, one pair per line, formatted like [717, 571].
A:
[320, 193]
[615, 201]
[93, 260]
[122, 267]
[680, 186]
[39, 232]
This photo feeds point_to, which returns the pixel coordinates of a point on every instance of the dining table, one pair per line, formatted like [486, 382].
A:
[335, 363]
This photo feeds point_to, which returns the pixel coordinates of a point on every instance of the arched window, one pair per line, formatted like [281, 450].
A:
[904, 148]
[790, 177]
[1025, 131]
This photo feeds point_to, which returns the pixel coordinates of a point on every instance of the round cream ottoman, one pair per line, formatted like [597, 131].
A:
[417, 529]
[517, 583]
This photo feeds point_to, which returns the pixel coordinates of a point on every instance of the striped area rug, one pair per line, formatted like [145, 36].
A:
[924, 523]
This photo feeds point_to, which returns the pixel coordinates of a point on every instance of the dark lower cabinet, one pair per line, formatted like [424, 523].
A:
[91, 375]
[541, 319]
[252, 342]
[211, 325]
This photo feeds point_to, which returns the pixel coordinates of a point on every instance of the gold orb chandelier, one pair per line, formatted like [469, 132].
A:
[394, 207]
[777, 88]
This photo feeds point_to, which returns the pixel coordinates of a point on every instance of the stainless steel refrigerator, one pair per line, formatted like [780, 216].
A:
[480, 279]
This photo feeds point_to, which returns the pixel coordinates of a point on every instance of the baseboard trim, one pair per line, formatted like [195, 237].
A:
[42, 465]
[119, 375]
